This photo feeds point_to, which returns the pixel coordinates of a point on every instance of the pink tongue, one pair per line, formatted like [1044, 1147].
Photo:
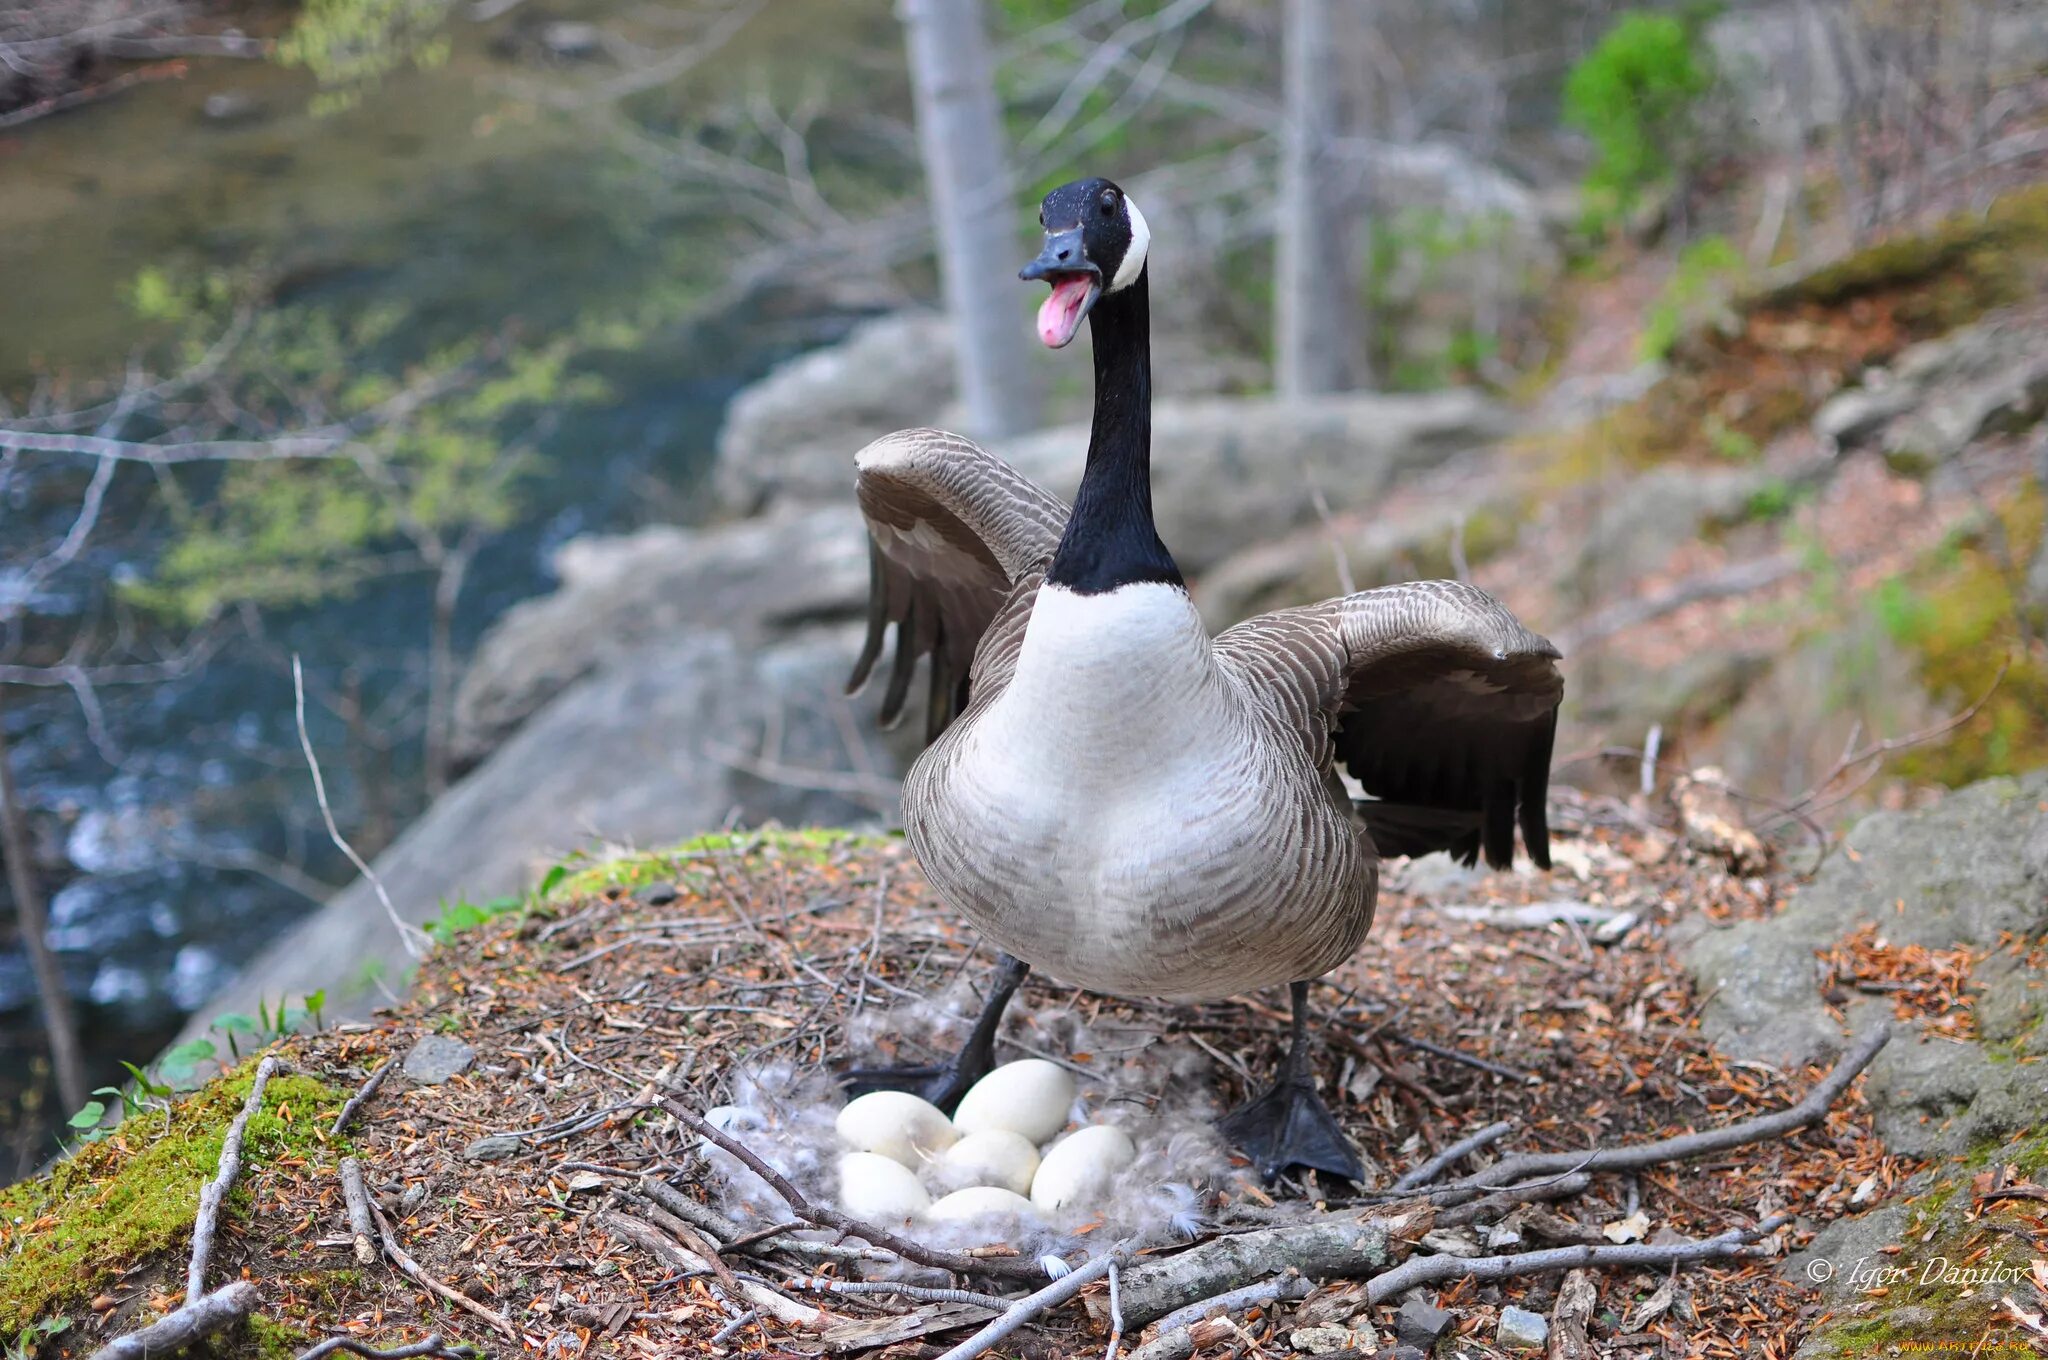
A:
[1059, 316]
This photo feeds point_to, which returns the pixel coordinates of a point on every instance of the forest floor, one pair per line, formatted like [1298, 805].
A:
[682, 973]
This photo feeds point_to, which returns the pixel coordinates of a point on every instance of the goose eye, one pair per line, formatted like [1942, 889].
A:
[1108, 202]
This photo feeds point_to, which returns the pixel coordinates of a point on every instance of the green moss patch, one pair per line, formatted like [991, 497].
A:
[132, 1196]
[681, 864]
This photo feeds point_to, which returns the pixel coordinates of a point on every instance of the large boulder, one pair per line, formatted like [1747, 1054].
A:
[793, 434]
[1969, 873]
[757, 579]
[1230, 473]
[663, 744]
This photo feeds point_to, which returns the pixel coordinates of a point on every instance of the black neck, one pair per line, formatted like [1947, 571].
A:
[1110, 540]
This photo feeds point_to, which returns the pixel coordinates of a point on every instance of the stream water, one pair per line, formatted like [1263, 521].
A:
[445, 189]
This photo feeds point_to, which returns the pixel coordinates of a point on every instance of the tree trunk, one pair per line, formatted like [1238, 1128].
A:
[58, 1022]
[1315, 294]
[448, 580]
[959, 127]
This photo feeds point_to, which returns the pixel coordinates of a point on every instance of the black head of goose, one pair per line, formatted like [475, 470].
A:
[1114, 797]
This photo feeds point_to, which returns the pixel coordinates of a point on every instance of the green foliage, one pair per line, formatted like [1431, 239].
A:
[350, 45]
[130, 1195]
[463, 914]
[1708, 270]
[441, 457]
[1636, 96]
[1418, 262]
[29, 1338]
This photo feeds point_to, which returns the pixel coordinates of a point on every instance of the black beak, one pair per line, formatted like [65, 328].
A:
[1062, 255]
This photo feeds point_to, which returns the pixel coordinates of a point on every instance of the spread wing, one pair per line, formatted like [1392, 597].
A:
[1433, 696]
[954, 533]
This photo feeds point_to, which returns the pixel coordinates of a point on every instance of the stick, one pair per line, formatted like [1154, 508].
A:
[432, 1345]
[361, 1098]
[1807, 1112]
[196, 1320]
[1176, 1338]
[825, 1217]
[1470, 1060]
[358, 1201]
[1423, 1270]
[1031, 1305]
[727, 1235]
[683, 1261]
[215, 1192]
[420, 1277]
[1338, 1245]
[1437, 1165]
[922, 1293]
[1529, 1192]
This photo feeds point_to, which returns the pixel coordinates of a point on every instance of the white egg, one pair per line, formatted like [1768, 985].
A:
[993, 1157]
[981, 1201]
[1080, 1165]
[1031, 1098]
[897, 1125]
[878, 1189]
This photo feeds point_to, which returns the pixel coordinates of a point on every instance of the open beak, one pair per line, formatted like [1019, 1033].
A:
[1076, 284]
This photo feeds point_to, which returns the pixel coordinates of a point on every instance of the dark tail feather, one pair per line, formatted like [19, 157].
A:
[1410, 829]
[1533, 790]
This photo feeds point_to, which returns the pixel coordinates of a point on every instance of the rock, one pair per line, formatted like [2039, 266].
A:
[793, 434]
[896, 1125]
[657, 894]
[1301, 567]
[571, 40]
[1420, 1323]
[1713, 821]
[1852, 416]
[757, 580]
[879, 1190]
[1031, 1098]
[436, 1058]
[1080, 1166]
[1639, 526]
[1522, 1330]
[1228, 474]
[495, 1147]
[626, 756]
[1324, 1340]
[231, 106]
[2012, 398]
[1969, 872]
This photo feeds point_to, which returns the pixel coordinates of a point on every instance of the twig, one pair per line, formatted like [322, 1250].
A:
[420, 1277]
[431, 1345]
[1032, 1305]
[923, 1293]
[358, 1201]
[196, 1320]
[215, 1192]
[684, 1261]
[1551, 1187]
[1437, 1165]
[1810, 1110]
[360, 1098]
[1116, 1316]
[1339, 1245]
[1175, 1339]
[735, 1326]
[1470, 1060]
[826, 1217]
[1880, 749]
[414, 939]
[1423, 1270]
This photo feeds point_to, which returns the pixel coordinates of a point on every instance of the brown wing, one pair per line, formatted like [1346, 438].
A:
[1433, 696]
[953, 533]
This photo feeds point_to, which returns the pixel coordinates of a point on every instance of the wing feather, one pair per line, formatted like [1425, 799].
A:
[955, 534]
[1433, 697]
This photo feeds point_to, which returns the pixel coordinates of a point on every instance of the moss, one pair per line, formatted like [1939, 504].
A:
[117, 1202]
[273, 1340]
[674, 864]
[1958, 615]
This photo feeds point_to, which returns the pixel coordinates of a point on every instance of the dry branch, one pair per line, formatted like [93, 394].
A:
[432, 1344]
[360, 1099]
[419, 1276]
[360, 1226]
[1810, 1110]
[215, 1192]
[1443, 1161]
[1423, 1270]
[1033, 1305]
[198, 1319]
[1332, 1246]
[682, 1261]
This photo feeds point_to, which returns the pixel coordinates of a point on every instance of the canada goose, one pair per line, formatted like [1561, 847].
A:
[1115, 797]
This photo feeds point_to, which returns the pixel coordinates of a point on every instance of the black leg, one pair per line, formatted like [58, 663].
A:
[943, 1084]
[1288, 1124]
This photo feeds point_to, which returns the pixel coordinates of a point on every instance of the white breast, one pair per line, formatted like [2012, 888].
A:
[1111, 817]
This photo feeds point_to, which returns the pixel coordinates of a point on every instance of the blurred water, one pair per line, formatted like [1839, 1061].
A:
[442, 190]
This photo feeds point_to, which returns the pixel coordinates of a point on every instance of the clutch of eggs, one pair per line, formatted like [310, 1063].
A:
[987, 1154]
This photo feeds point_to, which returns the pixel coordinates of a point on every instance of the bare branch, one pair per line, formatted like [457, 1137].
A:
[215, 1192]
[194, 1321]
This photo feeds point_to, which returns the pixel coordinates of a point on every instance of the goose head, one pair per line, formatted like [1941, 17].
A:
[1095, 244]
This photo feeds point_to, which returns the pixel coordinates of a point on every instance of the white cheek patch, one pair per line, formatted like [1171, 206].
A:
[1134, 254]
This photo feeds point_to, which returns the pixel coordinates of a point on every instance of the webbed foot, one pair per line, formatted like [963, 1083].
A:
[1289, 1125]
